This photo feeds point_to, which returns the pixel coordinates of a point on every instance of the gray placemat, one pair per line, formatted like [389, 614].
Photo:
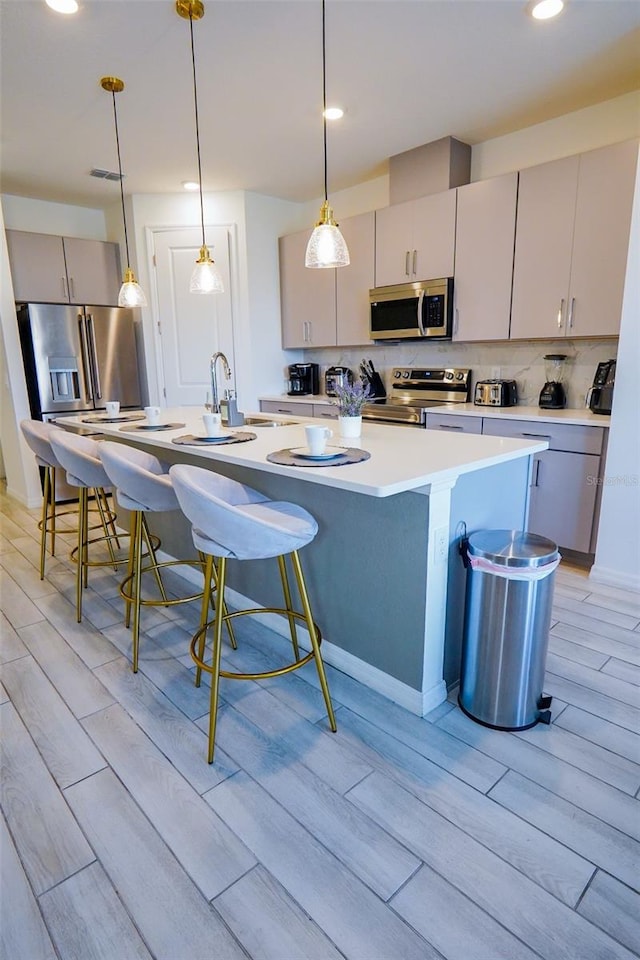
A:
[288, 459]
[190, 440]
[121, 418]
[157, 426]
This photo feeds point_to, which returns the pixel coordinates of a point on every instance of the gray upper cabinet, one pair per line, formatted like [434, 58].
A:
[354, 282]
[307, 297]
[572, 238]
[485, 231]
[416, 240]
[51, 269]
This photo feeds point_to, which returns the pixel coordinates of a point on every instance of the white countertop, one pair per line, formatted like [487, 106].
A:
[401, 459]
[580, 416]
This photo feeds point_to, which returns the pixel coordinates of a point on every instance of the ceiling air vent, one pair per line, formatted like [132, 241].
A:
[105, 174]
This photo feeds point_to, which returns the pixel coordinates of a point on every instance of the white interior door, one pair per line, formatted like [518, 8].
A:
[192, 326]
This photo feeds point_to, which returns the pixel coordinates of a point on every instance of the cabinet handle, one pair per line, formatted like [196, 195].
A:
[415, 262]
[456, 320]
[560, 312]
[305, 332]
[310, 328]
[406, 262]
[65, 293]
[84, 353]
[72, 289]
[282, 410]
[536, 436]
[536, 481]
[444, 426]
[573, 303]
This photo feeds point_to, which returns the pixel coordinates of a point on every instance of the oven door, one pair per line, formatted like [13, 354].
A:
[395, 319]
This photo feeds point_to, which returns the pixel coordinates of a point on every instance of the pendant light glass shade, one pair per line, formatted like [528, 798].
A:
[205, 277]
[326, 247]
[131, 293]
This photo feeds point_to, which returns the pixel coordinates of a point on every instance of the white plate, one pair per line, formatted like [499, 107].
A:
[329, 453]
[216, 439]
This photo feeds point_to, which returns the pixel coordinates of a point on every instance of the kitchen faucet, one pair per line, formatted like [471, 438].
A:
[214, 381]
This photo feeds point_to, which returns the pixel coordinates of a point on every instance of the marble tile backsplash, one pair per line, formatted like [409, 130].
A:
[522, 361]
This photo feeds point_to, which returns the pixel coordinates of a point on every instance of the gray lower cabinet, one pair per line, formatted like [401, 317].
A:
[285, 407]
[326, 411]
[565, 483]
[454, 423]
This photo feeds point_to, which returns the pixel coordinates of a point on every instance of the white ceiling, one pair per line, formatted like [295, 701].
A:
[407, 72]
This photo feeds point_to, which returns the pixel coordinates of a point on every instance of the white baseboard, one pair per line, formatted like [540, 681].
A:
[615, 578]
[419, 702]
[28, 502]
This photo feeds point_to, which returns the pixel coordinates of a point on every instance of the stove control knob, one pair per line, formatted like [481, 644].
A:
[406, 375]
[460, 376]
[397, 375]
[448, 375]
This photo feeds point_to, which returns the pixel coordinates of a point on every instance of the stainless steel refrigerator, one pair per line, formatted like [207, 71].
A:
[75, 359]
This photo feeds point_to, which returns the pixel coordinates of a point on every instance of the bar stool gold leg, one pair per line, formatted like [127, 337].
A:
[154, 560]
[295, 559]
[204, 612]
[215, 660]
[132, 538]
[111, 524]
[81, 551]
[287, 601]
[137, 565]
[45, 519]
[107, 524]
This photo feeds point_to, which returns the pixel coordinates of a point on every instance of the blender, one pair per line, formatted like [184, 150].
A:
[552, 395]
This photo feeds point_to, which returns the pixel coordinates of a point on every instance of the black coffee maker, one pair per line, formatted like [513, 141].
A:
[304, 379]
[552, 395]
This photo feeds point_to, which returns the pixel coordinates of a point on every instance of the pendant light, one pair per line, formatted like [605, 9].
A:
[205, 277]
[326, 247]
[131, 293]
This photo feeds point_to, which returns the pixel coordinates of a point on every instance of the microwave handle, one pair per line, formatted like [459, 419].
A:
[421, 326]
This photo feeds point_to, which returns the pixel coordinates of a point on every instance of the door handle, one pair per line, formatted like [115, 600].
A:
[84, 352]
[536, 482]
[65, 292]
[406, 262]
[560, 312]
[415, 262]
[456, 320]
[72, 289]
[94, 357]
[421, 326]
[571, 309]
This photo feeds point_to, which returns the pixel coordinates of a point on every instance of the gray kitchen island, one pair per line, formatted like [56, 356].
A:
[386, 581]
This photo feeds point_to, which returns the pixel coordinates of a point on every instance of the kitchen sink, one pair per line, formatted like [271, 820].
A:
[266, 422]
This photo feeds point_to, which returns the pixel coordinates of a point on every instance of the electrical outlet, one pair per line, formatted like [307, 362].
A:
[495, 373]
[441, 544]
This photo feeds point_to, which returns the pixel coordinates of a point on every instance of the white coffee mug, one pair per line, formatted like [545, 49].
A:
[153, 415]
[317, 438]
[112, 407]
[212, 424]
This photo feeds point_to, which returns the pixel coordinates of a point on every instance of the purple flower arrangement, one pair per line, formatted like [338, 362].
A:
[351, 398]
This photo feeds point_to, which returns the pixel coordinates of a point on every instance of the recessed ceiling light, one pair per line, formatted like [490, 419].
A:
[334, 113]
[545, 9]
[190, 184]
[63, 6]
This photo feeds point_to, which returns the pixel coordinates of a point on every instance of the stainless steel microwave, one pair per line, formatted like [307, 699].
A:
[412, 311]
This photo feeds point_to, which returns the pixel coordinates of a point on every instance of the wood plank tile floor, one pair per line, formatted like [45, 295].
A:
[396, 838]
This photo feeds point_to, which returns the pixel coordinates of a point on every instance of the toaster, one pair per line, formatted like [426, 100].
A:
[496, 393]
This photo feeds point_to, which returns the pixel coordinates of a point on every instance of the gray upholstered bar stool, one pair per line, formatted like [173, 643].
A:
[143, 485]
[38, 434]
[79, 457]
[232, 521]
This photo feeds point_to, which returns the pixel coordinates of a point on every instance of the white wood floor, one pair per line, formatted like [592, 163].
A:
[397, 838]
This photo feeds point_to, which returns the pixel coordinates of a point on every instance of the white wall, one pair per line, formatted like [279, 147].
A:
[618, 552]
[60, 219]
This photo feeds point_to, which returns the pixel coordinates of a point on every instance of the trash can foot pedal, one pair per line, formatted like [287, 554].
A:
[544, 717]
[544, 702]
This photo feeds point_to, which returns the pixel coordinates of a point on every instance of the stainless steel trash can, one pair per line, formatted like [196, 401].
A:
[510, 580]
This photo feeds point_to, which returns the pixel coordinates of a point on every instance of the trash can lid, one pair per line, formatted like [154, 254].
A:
[512, 548]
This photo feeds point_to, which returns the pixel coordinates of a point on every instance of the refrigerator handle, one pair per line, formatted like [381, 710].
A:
[86, 368]
[94, 357]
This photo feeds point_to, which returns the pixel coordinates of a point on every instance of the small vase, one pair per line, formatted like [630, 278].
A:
[350, 427]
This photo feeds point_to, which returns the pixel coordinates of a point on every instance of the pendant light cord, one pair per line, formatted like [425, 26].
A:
[124, 218]
[324, 101]
[195, 101]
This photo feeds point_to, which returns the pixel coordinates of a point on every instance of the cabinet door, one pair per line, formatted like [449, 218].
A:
[93, 271]
[307, 297]
[37, 267]
[453, 422]
[563, 498]
[434, 236]
[394, 238]
[544, 238]
[601, 239]
[354, 282]
[485, 231]
[325, 411]
[283, 406]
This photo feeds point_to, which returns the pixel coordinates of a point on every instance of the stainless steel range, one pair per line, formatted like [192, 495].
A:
[415, 389]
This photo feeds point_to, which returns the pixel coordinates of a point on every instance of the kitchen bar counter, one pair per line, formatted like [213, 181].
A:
[384, 572]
